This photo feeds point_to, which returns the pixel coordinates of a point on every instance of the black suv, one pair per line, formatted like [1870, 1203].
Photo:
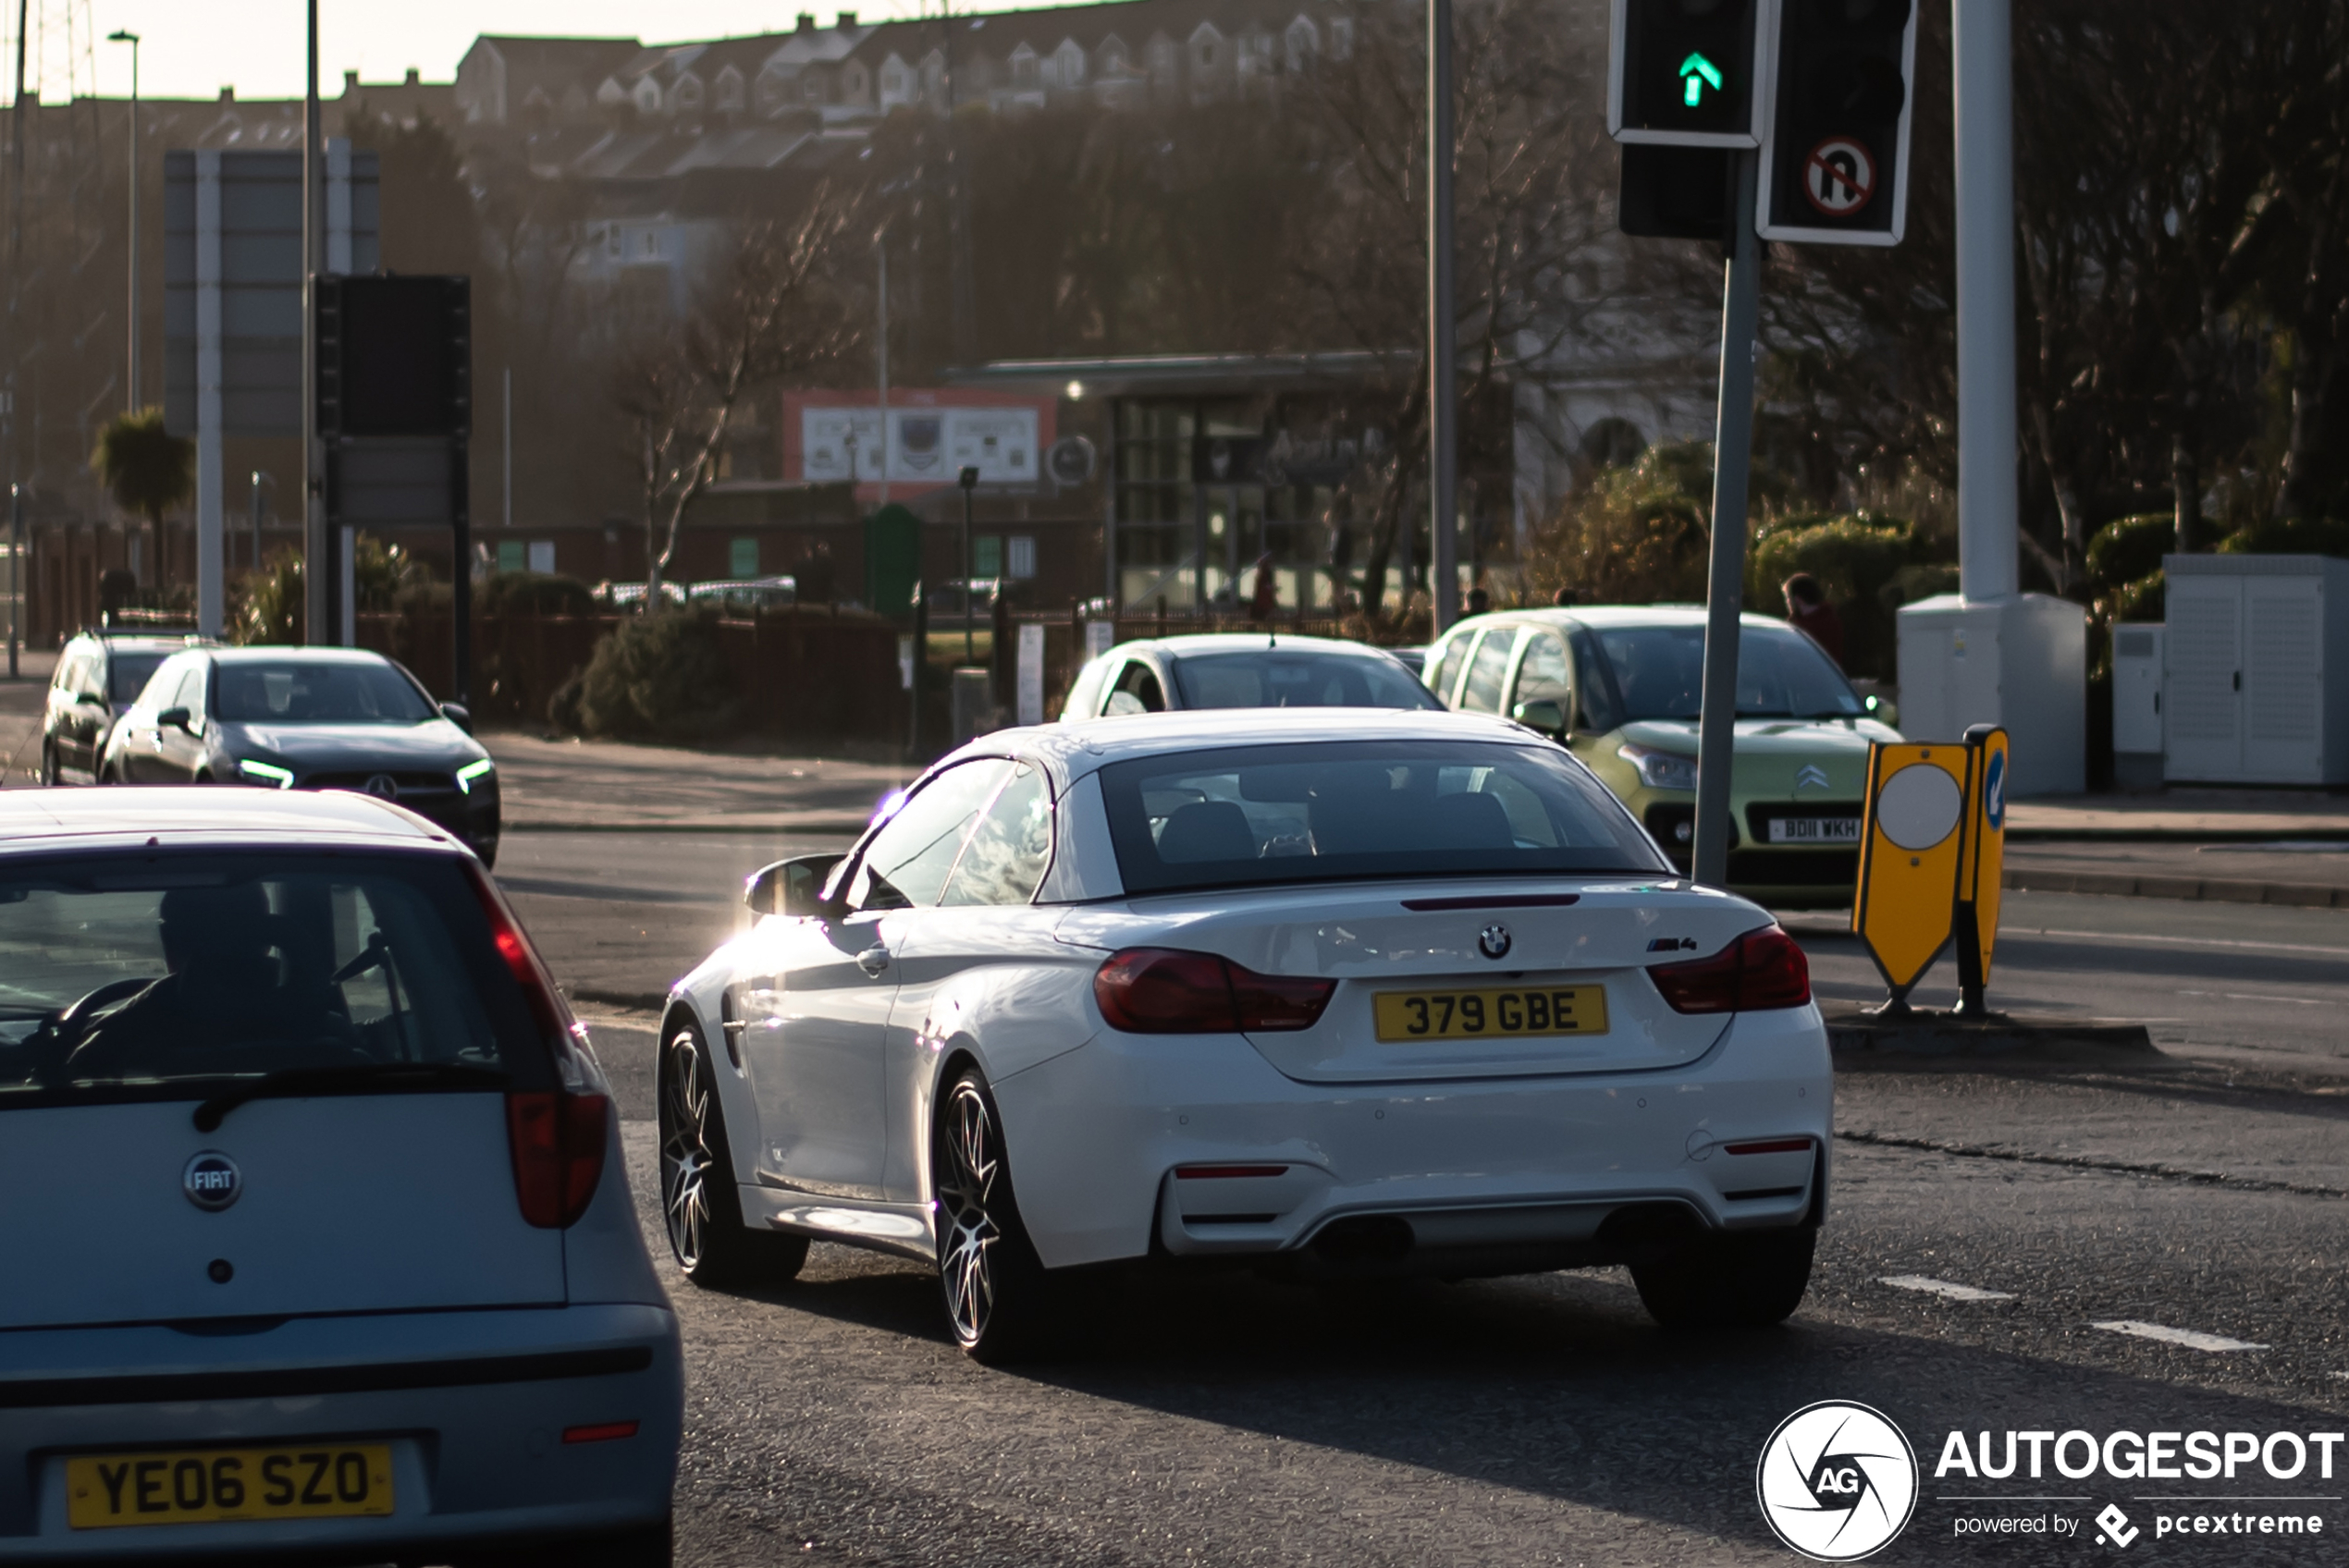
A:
[99, 674]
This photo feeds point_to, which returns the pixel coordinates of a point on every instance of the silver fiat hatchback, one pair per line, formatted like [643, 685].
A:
[319, 1246]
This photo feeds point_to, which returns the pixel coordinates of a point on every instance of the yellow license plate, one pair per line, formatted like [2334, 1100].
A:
[1504, 1013]
[209, 1486]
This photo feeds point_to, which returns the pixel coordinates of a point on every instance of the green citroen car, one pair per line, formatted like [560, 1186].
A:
[1619, 686]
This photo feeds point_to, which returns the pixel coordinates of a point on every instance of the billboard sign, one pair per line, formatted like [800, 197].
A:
[932, 436]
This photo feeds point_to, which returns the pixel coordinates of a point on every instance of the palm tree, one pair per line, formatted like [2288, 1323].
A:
[147, 470]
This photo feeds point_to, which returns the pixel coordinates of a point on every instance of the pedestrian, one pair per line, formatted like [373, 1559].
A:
[1566, 598]
[1479, 601]
[1267, 597]
[1807, 608]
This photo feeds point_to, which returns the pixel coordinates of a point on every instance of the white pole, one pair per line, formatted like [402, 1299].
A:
[1982, 68]
[210, 524]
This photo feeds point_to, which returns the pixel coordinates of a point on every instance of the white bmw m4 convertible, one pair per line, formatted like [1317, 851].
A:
[1341, 994]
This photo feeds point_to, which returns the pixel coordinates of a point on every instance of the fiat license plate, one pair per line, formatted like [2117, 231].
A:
[1498, 1014]
[1815, 830]
[213, 1485]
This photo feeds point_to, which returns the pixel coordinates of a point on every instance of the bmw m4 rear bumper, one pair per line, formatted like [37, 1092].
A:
[1195, 1145]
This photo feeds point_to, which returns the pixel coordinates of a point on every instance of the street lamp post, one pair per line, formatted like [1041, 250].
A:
[130, 387]
[970, 482]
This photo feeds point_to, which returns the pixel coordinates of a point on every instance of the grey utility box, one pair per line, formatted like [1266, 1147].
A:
[2255, 670]
[2136, 705]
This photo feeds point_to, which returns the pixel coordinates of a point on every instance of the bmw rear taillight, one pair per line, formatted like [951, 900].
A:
[1166, 991]
[1761, 970]
[558, 1143]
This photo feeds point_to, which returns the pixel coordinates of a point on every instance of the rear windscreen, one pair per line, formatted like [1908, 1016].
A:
[1343, 811]
[164, 974]
[1274, 679]
[127, 674]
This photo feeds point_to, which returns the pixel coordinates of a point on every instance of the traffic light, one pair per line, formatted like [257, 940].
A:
[1835, 162]
[1683, 73]
[395, 355]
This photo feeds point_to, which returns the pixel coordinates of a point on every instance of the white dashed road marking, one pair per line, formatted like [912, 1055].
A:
[1931, 1286]
[2193, 1339]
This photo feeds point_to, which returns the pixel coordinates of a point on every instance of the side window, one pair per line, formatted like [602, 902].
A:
[906, 864]
[1540, 674]
[191, 685]
[1447, 674]
[72, 675]
[1009, 850]
[1600, 711]
[1136, 690]
[1488, 669]
[163, 686]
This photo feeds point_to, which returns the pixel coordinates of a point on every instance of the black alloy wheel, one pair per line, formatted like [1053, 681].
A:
[993, 1285]
[699, 1204]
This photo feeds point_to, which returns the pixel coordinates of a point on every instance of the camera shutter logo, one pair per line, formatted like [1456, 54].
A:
[1836, 1481]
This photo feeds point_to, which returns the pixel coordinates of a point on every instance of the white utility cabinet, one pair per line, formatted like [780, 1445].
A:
[2020, 662]
[2256, 669]
[2136, 705]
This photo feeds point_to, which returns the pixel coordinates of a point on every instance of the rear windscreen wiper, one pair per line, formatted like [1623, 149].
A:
[392, 1077]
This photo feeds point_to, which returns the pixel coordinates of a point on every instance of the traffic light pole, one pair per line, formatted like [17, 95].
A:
[1724, 581]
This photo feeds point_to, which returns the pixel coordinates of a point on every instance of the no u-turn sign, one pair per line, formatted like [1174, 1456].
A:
[1839, 176]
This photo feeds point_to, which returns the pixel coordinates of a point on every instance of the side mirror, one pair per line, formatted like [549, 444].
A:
[172, 718]
[1543, 715]
[458, 715]
[794, 889]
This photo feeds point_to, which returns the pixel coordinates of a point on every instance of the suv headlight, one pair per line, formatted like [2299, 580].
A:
[268, 775]
[472, 773]
[1660, 770]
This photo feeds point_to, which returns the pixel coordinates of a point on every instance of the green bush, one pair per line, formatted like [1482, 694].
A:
[1634, 535]
[533, 593]
[660, 676]
[266, 606]
[1860, 561]
[2289, 536]
[2130, 548]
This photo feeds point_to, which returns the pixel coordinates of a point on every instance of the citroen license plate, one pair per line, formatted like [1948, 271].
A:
[214, 1486]
[1497, 1013]
[1815, 830]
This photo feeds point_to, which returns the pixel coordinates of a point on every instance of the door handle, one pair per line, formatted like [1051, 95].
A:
[872, 960]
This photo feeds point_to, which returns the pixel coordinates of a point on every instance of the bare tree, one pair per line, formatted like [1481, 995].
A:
[760, 317]
[1533, 173]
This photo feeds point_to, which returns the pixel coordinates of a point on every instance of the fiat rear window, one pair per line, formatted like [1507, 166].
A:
[1352, 810]
[176, 975]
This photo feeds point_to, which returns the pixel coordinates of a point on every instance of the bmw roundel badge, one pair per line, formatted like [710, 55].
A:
[212, 1181]
[1493, 941]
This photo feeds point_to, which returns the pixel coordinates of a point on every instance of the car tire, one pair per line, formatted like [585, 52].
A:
[700, 1208]
[1741, 1280]
[998, 1298]
[49, 766]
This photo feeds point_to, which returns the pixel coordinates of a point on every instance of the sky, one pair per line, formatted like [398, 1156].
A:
[193, 48]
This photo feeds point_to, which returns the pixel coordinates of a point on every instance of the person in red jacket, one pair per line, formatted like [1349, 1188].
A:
[1807, 608]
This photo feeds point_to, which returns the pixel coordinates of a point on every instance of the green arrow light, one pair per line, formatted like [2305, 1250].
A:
[1697, 73]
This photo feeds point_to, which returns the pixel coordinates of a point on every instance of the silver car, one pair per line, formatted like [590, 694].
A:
[321, 1247]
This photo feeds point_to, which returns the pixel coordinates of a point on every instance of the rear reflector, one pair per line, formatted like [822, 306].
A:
[557, 1140]
[1166, 991]
[602, 1432]
[1761, 970]
[1771, 1146]
[1216, 1172]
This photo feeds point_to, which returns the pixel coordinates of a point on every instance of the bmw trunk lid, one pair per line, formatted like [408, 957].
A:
[125, 1212]
[1524, 949]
